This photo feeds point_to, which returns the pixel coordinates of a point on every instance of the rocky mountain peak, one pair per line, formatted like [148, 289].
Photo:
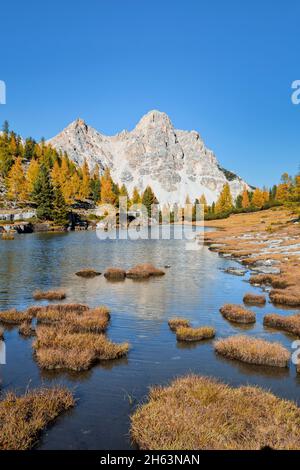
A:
[154, 118]
[81, 123]
[174, 162]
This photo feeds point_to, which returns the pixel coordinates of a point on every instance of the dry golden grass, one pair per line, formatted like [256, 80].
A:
[291, 323]
[7, 236]
[93, 320]
[194, 334]
[237, 314]
[14, 317]
[58, 308]
[88, 273]
[254, 299]
[115, 274]
[49, 295]
[288, 296]
[22, 418]
[57, 358]
[243, 232]
[199, 413]
[253, 351]
[175, 323]
[58, 348]
[144, 271]
[272, 279]
[26, 329]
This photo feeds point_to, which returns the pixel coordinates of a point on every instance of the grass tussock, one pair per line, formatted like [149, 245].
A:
[195, 334]
[175, 323]
[144, 271]
[58, 348]
[88, 273]
[285, 286]
[288, 296]
[22, 418]
[1, 333]
[59, 308]
[93, 320]
[274, 280]
[290, 323]
[49, 295]
[199, 413]
[15, 317]
[254, 299]
[115, 274]
[26, 329]
[237, 314]
[253, 351]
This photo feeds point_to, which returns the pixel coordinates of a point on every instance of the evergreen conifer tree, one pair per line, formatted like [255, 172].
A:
[148, 199]
[43, 194]
[60, 211]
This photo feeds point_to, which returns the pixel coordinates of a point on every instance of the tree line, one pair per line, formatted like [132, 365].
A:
[36, 173]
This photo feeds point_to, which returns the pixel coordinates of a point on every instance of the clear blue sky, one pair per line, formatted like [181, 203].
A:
[224, 68]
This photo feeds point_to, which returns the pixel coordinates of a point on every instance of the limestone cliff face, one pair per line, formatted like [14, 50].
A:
[175, 163]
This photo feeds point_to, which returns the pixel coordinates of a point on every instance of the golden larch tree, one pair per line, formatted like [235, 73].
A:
[136, 197]
[203, 201]
[16, 182]
[56, 175]
[85, 187]
[107, 194]
[245, 199]
[31, 175]
[257, 198]
[224, 202]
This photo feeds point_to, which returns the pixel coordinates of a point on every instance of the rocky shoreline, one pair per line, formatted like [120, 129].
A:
[266, 243]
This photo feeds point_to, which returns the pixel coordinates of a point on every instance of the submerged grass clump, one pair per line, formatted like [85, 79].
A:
[144, 271]
[22, 418]
[87, 273]
[237, 314]
[1, 333]
[49, 295]
[15, 317]
[175, 323]
[195, 413]
[253, 351]
[60, 348]
[115, 274]
[254, 299]
[291, 323]
[194, 334]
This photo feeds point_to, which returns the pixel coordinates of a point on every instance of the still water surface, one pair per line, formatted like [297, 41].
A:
[194, 287]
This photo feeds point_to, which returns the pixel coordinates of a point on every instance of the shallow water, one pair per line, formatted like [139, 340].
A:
[194, 287]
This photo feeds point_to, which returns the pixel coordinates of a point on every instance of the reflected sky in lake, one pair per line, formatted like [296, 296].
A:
[194, 287]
